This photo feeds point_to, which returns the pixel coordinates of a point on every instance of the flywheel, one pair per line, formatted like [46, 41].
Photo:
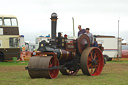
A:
[83, 42]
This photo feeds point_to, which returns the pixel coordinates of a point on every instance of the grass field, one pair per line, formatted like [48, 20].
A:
[114, 73]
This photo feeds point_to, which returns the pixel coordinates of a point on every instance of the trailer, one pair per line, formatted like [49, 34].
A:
[111, 44]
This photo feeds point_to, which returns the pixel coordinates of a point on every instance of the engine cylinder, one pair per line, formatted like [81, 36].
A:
[65, 55]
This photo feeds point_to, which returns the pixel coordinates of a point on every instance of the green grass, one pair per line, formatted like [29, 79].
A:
[116, 61]
[114, 73]
[11, 63]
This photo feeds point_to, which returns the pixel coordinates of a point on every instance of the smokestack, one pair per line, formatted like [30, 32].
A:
[53, 25]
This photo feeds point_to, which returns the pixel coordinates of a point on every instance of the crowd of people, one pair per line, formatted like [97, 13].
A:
[93, 41]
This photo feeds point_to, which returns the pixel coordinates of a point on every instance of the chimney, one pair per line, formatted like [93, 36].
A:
[53, 25]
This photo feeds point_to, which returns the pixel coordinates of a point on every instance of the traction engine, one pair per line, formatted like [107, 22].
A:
[65, 55]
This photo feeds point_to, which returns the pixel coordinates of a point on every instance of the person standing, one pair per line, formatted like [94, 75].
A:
[90, 35]
[95, 44]
[81, 31]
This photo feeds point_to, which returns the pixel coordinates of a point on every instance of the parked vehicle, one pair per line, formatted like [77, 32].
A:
[124, 51]
[9, 37]
[40, 38]
[110, 44]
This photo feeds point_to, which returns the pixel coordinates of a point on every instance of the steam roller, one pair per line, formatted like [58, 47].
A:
[65, 55]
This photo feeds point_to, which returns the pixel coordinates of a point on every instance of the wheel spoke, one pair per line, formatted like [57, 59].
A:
[91, 55]
[89, 65]
[96, 66]
[89, 59]
[95, 55]
[91, 69]
[50, 64]
[97, 61]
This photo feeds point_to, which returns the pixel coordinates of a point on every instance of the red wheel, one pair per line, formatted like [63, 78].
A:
[92, 61]
[38, 67]
[83, 42]
[69, 72]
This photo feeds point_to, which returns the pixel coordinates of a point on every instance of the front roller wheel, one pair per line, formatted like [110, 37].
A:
[92, 61]
[69, 72]
[38, 67]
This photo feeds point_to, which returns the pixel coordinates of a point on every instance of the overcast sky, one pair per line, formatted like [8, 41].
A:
[101, 16]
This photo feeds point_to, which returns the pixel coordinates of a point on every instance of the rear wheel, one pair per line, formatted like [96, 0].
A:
[92, 61]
